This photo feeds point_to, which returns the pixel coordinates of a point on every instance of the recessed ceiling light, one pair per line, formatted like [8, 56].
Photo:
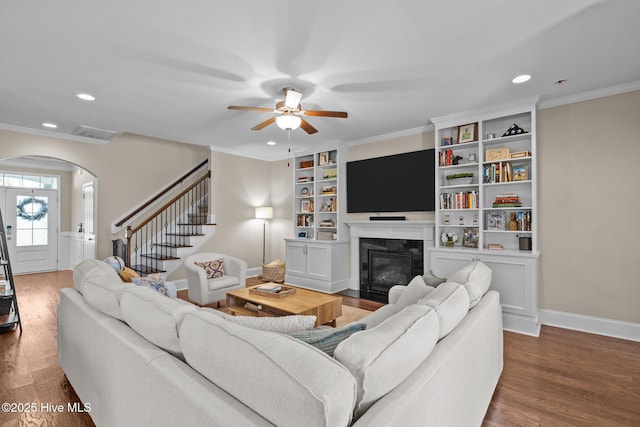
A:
[521, 78]
[271, 143]
[50, 125]
[86, 96]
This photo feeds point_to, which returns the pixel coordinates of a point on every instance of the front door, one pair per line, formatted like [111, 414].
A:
[88, 233]
[31, 221]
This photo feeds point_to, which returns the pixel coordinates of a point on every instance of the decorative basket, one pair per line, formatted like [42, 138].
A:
[273, 271]
[5, 306]
[460, 181]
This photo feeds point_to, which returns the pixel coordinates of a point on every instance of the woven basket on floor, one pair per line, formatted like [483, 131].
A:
[273, 271]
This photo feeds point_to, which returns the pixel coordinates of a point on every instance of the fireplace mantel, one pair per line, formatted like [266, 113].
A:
[411, 230]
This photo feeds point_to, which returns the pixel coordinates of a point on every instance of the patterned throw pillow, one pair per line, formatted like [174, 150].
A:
[155, 283]
[214, 269]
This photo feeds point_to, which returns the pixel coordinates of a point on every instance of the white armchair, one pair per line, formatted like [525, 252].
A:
[205, 291]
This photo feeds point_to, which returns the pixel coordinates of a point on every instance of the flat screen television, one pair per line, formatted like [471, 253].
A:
[398, 183]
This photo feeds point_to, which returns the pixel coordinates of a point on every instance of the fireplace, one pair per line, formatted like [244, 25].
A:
[396, 239]
[385, 263]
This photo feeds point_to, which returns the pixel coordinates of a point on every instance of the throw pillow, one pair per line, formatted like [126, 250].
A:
[127, 274]
[214, 269]
[327, 339]
[283, 324]
[433, 280]
[155, 283]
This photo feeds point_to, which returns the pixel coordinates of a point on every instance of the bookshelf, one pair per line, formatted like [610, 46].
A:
[486, 196]
[317, 255]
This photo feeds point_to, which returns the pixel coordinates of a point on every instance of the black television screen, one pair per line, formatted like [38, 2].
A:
[398, 183]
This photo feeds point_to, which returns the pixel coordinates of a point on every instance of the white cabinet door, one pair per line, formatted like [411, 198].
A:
[319, 261]
[514, 277]
[297, 258]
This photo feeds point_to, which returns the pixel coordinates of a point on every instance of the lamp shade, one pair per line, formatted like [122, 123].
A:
[264, 212]
[288, 121]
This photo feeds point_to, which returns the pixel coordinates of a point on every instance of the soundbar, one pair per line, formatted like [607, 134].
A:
[387, 218]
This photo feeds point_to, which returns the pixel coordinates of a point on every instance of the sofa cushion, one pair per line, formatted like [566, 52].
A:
[155, 317]
[89, 268]
[383, 357]
[476, 278]
[380, 315]
[104, 293]
[286, 381]
[327, 339]
[451, 301]
[222, 282]
[415, 291]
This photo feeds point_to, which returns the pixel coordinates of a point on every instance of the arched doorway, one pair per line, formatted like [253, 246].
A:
[43, 203]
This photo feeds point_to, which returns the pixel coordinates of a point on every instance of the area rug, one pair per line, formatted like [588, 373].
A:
[350, 314]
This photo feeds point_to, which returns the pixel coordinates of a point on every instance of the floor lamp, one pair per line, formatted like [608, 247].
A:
[264, 213]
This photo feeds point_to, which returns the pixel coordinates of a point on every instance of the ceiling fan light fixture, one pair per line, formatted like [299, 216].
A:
[288, 121]
[292, 98]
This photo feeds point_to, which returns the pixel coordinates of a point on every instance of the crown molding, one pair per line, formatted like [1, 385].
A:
[392, 135]
[51, 134]
[592, 94]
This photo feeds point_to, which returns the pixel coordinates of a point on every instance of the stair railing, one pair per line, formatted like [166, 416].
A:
[158, 237]
[140, 209]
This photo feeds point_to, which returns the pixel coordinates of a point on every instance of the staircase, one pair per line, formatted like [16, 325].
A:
[159, 242]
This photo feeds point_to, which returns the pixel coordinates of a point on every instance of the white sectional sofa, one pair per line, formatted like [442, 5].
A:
[430, 358]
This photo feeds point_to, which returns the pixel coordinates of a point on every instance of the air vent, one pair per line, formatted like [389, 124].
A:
[95, 133]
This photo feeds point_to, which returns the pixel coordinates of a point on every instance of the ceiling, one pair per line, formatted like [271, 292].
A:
[169, 69]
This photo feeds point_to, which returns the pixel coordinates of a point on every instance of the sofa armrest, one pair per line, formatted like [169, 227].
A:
[395, 292]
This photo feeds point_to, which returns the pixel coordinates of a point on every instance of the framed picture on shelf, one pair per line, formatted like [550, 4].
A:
[305, 206]
[520, 173]
[323, 158]
[470, 238]
[496, 221]
[468, 133]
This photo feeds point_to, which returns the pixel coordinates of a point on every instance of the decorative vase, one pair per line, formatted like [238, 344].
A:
[448, 244]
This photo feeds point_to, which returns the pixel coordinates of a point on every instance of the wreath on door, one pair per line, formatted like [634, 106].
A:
[39, 213]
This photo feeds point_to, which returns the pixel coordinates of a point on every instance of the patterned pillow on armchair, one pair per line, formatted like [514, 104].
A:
[214, 269]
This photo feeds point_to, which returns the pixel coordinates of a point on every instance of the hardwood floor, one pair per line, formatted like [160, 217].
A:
[562, 378]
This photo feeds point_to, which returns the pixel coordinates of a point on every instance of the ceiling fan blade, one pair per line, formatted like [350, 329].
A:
[264, 124]
[307, 127]
[292, 98]
[265, 110]
[339, 114]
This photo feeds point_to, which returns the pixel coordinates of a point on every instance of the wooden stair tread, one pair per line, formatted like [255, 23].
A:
[145, 269]
[184, 234]
[159, 257]
[172, 245]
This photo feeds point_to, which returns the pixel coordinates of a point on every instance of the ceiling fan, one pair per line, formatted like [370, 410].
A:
[289, 113]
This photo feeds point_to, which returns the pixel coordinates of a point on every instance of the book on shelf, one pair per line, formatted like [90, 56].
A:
[253, 307]
[495, 246]
[459, 200]
[507, 201]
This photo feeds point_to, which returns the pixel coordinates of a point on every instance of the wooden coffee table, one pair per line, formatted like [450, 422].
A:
[325, 307]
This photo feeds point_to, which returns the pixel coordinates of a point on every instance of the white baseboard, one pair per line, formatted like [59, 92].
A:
[593, 325]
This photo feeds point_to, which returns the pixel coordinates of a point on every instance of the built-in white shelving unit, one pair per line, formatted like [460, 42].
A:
[486, 196]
